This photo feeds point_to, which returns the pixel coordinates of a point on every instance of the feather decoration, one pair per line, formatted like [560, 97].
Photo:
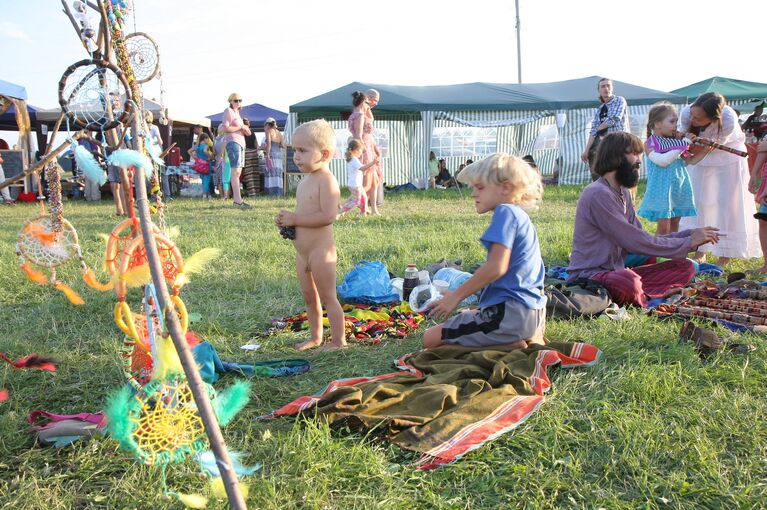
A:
[192, 500]
[231, 401]
[69, 292]
[90, 167]
[166, 360]
[126, 158]
[32, 361]
[39, 233]
[90, 278]
[218, 489]
[155, 152]
[33, 275]
[173, 232]
[136, 277]
[117, 411]
[209, 465]
[195, 264]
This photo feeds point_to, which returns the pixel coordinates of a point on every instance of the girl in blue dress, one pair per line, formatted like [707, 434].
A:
[669, 191]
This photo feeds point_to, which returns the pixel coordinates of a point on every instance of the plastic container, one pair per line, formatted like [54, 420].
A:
[396, 284]
[422, 296]
[411, 281]
[441, 285]
[454, 279]
[423, 277]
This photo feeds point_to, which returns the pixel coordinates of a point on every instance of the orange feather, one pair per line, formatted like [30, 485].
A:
[34, 276]
[69, 292]
[38, 232]
[90, 278]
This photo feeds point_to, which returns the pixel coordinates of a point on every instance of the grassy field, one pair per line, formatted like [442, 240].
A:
[650, 426]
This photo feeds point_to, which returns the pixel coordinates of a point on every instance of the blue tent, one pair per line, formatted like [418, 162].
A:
[257, 114]
[11, 89]
[8, 119]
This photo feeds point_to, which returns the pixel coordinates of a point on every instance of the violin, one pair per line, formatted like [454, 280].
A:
[705, 142]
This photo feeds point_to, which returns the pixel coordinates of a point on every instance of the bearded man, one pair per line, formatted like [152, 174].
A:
[607, 230]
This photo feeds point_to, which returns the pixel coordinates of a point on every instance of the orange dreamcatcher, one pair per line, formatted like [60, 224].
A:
[50, 241]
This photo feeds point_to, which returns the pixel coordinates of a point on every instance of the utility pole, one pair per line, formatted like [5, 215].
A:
[519, 45]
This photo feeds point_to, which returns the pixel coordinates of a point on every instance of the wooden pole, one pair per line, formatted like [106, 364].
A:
[196, 384]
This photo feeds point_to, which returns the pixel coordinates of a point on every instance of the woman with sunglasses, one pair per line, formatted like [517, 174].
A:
[235, 132]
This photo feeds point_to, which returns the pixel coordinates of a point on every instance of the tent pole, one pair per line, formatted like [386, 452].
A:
[519, 45]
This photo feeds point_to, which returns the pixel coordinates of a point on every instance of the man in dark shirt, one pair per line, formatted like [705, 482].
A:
[607, 229]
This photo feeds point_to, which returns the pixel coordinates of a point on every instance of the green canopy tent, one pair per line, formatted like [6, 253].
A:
[743, 95]
[472, 120]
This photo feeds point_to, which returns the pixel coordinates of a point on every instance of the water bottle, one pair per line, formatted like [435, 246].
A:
[455, 278]
[411, 281]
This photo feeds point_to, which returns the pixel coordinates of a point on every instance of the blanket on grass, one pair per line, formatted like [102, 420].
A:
[366, 323]
[446, 401]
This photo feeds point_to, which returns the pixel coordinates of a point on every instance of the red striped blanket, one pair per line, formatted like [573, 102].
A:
[445, 402]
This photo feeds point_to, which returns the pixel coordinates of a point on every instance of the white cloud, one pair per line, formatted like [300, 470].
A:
[13, 31]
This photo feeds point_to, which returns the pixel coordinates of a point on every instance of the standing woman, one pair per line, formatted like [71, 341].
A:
[272, 146]
[720, 180]
[235, 132]
[373, 98]
[362, 129]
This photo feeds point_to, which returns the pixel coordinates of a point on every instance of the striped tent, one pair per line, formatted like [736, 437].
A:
[409, 120]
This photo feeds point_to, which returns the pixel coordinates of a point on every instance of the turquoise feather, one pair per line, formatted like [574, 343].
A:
[125, 158]
[229, 402]
[88, 164]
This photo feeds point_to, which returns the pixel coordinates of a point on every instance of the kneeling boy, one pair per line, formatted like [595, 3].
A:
[512, 306]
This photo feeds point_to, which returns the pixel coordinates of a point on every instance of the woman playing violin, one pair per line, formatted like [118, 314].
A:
[720, 179]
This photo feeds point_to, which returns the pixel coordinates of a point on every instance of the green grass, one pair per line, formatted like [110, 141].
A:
[650, 426]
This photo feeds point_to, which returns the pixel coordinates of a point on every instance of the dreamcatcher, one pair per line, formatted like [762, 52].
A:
[49, 241]
[158, 422]
[144, 56]
[95, 95]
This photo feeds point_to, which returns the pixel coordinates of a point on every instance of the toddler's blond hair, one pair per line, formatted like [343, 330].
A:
[527, 189]
[321, 134]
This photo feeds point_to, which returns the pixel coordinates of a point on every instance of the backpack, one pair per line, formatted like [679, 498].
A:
[580, 298]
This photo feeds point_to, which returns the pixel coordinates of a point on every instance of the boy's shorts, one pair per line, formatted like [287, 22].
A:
[236, 154]
[113, 174]
[503, 323]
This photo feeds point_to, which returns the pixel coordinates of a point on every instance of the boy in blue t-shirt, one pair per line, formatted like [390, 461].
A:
[512, 306]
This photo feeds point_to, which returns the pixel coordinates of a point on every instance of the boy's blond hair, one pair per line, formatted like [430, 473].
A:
[527, 189]
[321, 133]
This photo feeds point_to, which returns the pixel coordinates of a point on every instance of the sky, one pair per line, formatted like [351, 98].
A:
[282, 52]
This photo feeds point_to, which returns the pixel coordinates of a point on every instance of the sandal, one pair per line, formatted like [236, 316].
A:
[707, 341]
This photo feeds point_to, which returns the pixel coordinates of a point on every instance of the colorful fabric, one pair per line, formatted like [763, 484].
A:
[448, 401]
[366, 323]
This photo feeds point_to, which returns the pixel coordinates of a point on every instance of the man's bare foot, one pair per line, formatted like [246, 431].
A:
[330, 347]
[308, 344]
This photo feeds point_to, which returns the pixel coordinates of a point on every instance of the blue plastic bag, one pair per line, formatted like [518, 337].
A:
[367, 283]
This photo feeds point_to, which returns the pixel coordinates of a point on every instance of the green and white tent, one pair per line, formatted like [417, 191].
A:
[515, 118]
[743, 95]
